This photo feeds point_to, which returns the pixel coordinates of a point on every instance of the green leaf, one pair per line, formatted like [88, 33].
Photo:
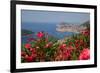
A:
[33, 44]
[28, 52]
[22, 60]
[74, 55]
[22, 47]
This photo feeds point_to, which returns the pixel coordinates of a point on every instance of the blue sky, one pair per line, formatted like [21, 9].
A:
[53, 17]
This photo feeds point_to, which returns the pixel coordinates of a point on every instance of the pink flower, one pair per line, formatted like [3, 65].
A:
[85, 54]
[85, 32]
[76, 41]
[40, 34]
[48, 45]
[28, 58]
[63, 46]
[27, 46]
[66, 54]
[32, 50]
[70, 48]
[23, 53]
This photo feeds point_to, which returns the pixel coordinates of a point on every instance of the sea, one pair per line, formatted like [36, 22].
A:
[49, 28]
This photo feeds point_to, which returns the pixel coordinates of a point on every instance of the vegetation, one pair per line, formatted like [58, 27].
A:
[26, 32]
[46, 48]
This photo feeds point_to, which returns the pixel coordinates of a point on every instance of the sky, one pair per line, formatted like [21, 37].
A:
[31, 16]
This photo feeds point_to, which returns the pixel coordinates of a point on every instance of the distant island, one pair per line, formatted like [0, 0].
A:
[25, 32]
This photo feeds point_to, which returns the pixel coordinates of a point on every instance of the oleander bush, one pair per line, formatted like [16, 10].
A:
[45, 48]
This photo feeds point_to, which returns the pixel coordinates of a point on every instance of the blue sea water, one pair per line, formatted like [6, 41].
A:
[50, 28]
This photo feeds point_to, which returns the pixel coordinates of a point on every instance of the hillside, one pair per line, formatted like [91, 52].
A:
[26, 32]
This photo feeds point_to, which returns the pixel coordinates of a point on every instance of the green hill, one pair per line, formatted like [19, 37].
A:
[26, 32]
[86, 24]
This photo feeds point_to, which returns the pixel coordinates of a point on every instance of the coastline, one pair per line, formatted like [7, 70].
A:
[70, 28]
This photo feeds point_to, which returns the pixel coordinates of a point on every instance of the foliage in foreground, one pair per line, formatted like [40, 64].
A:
[46, 48]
